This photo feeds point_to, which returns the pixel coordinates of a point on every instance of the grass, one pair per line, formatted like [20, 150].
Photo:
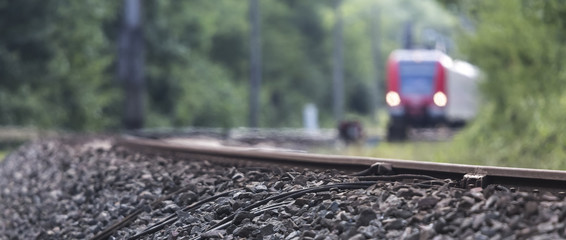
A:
[441, 151]
[467, 148]
[422, 151]
[3, 154]
[458, 151]
[6, 149]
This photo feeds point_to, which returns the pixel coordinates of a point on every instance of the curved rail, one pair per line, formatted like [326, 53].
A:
[368, 170]
[468, 175]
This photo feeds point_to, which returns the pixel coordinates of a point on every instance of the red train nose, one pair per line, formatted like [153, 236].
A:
[416, 106]
[415, 110]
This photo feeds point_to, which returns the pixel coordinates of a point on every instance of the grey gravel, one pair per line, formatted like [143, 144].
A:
[75, 188]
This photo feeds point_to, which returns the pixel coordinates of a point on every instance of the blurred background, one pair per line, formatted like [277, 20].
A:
[111, 66]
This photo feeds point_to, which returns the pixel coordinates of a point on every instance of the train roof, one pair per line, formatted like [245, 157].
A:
[418, 55]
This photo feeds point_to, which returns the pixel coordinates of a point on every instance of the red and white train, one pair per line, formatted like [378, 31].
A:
[427, 88]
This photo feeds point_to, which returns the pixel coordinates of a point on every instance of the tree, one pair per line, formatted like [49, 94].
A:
[186, 86]
[58, 60]
[519, 46]
[54, 58]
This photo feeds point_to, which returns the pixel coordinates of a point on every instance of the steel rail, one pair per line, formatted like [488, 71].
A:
[469, 175]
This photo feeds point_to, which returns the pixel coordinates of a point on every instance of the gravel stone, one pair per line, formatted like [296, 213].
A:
[427, 203]
[214, 234]
[241, 216]
[357, 237]
[223, 210]
[366, 216]
[245, 230]
[260, 188]
[396, 224]
[186, 198]
[400, 213]
[267, 230]
[302, 201]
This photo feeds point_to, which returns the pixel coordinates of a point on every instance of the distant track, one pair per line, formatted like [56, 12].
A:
[431, 134]
[467, 176]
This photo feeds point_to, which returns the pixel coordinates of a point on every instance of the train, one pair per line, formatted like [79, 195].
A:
[428, 89]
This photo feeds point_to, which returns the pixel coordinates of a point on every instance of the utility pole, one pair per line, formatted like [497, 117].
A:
[131, 65]
[338, 69]
[408, 35]
[255, 63]
[377, 61]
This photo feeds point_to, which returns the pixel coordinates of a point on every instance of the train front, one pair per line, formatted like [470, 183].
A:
[416, 93]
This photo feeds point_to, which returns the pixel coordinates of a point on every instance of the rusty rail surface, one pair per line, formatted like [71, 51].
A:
[467, 175]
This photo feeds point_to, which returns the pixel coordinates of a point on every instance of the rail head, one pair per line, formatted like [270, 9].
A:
[505, 174]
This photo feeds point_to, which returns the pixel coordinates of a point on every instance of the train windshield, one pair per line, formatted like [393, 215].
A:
[417, 78]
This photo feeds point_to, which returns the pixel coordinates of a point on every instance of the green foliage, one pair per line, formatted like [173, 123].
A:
[421, 151]
[53, 61]
[57, 60]
[201, 105]
[185, 86]
[295, 62]
[519, 46]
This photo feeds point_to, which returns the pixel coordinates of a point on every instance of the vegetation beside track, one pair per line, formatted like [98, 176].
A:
[504, 154]
[2, 155]
[423, 151]
[6, 149]
[519, 45]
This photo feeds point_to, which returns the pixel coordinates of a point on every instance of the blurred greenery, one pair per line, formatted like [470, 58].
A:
[520, 47]
[422, 151]
[58, 67]
[58, 60]
[54, 59]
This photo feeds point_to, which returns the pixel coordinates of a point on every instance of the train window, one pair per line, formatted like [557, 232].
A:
[416, 78]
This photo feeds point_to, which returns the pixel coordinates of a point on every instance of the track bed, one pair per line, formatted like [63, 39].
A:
[78, 188]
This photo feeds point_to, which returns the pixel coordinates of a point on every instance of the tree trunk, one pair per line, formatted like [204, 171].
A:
[338, 69]
[255, 63]
[131, 65]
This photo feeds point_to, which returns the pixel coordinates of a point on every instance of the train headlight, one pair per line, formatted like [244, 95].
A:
[440, 99]
[392, 99]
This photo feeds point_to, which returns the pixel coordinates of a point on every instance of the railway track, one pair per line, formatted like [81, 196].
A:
[367, 170]
[441, 134]
[467, 176]
[135, 188]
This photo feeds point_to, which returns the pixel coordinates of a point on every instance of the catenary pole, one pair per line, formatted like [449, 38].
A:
[255, 63]
[377, 59]
[131, 65]
[338, 68]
